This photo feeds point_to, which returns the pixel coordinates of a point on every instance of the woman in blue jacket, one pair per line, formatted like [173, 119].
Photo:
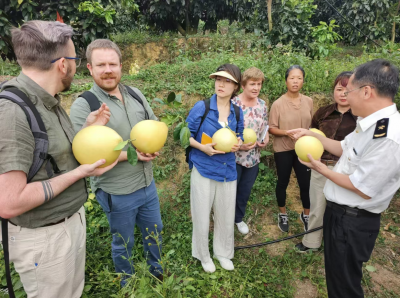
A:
[213, 178]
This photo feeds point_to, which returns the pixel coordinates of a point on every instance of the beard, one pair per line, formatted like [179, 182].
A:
[112, 85]
[67, 80]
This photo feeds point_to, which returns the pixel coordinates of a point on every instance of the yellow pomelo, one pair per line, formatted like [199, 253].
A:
[249, 136]
[225, 140]
[149, 136]
[308, 145]
[94, 143]
[317, 131]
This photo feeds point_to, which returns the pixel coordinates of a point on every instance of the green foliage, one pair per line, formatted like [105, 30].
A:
[373, 17]
[90, 19]
[325, 39]
[185, 15]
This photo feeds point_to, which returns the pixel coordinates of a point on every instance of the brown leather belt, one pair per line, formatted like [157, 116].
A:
[329, 162]
[50, 224]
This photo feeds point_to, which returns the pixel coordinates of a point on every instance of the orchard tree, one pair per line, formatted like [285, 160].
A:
[90, 19]
[184, 15]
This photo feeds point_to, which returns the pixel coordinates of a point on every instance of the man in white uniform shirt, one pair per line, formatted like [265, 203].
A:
[362, 184]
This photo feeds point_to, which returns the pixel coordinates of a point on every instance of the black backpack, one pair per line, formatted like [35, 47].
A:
[207, 105]
[95, 104]
[40, 156]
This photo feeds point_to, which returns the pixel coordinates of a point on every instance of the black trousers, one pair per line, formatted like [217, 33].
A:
[245, 181]
[285, 161]
[349, 242]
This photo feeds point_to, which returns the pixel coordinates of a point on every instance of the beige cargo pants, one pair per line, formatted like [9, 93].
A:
[51, 260]
[317, 209]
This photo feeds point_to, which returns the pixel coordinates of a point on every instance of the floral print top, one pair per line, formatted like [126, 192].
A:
[256, 118]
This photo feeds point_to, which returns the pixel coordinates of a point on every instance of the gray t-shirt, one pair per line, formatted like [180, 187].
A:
[17, 145]
[123, 178]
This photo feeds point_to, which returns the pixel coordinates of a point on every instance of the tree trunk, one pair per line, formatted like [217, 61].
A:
[269, 3]
[180, 28]
[187, 6]
[394, 24]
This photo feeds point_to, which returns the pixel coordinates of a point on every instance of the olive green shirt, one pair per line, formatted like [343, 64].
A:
[17, 145]
[123, 178]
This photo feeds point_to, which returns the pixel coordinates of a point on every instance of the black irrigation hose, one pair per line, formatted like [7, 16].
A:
[278, 240]
[343, 17]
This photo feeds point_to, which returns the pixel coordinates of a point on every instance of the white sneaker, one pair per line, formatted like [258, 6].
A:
[208, 267]
[225, 263]
[242, 227]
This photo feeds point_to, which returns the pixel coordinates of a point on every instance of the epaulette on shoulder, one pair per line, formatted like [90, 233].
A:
[381, 128]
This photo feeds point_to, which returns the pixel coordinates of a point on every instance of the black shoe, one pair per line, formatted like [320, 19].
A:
[301, 248]
[283, 222]
[304, 218]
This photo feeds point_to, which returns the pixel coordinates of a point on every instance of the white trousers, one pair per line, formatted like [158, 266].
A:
[317, 209]
[221, 196]
[51, 260]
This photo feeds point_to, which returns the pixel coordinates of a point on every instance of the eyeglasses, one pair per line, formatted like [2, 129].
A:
[77, 60]
[347, 92]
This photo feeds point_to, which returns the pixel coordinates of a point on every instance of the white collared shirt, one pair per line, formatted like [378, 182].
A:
[373, 165]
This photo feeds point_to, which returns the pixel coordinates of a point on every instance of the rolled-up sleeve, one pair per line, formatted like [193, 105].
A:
[16, 140]
[194, 118]
[377, 166]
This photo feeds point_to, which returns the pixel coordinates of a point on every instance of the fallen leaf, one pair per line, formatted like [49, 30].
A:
[386, 228]
[370, 268]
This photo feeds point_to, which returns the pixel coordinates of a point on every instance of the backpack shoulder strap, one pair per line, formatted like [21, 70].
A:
[207, 106]
[137, 97]
[39, 132]
[92, 100]
[237, 112]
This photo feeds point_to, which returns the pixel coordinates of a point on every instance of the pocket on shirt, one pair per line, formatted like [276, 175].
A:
[350, 164]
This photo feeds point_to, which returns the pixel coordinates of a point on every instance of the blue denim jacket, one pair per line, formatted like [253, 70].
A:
[219, 167]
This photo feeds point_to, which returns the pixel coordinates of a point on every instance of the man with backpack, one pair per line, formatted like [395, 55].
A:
[127, 193]
[42, 185]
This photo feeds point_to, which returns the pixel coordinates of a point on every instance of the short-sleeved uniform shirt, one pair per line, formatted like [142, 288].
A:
[256, 118]
[371, 158]
[286, 115]
[17, 145]
[123, 178]
[219, 167]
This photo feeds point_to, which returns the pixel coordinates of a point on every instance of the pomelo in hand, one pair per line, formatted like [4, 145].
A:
[94, 143]
[249, 136]
[225, 139]
[308, 145]
[317, 131]
[149, 136]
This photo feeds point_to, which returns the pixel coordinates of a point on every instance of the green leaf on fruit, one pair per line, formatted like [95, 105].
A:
[178, 98]
[184, 137]
[132, 156]
[171, 97]
[159, 101]
[121, 145]
[177, 131]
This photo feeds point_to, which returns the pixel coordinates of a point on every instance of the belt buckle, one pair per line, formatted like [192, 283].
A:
[351, 212]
